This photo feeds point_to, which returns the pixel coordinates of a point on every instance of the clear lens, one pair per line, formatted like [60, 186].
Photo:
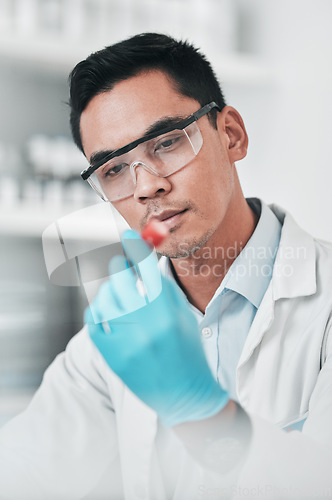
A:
[161, 156]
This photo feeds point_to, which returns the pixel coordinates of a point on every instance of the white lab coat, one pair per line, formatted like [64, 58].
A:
[84, 426]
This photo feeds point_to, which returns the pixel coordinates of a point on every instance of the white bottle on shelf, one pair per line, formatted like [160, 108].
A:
[9, 191]
[165, 16]
[50, 16]
[26, 17]
[6, 16]
[212, 25]
[116, 20]
[32, 191]
[74, 19]
[53, 193]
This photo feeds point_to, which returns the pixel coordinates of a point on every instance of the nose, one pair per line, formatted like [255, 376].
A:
[149, 185]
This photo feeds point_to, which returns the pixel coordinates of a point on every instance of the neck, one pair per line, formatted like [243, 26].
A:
[200, 274]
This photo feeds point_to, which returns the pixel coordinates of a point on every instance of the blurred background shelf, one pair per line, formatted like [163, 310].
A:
[48, 54]
[30, 219]
[90, 222]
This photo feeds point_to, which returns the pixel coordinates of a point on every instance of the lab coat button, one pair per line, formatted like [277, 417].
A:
[206, 333]
[141, 491]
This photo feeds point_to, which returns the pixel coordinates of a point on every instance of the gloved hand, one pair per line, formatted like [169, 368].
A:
[153, 346]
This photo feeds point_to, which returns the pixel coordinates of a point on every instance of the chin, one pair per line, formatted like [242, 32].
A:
[184, 248]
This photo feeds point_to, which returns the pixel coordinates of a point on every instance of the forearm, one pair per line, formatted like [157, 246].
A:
[254, 457]
[219, 443]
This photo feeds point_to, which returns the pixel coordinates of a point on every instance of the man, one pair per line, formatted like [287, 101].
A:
[190, 382]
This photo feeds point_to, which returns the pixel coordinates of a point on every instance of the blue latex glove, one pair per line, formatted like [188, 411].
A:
[153, 345]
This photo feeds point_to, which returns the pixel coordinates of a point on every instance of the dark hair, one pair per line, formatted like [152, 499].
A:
[189, 69]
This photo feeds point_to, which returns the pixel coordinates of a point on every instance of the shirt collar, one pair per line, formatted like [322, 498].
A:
[251, 272]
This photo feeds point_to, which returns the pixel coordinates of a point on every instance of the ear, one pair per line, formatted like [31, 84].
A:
[234, 135]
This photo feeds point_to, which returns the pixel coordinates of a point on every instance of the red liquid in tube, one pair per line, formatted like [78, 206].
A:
[154, 232]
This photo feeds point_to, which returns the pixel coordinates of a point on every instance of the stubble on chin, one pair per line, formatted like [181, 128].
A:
[186, 248]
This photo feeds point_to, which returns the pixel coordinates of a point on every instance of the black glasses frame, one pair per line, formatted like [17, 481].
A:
[125, 149]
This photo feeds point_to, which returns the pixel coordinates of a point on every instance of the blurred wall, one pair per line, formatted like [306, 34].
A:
[290, 124]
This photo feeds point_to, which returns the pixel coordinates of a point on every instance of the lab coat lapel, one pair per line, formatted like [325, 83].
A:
[294, 275]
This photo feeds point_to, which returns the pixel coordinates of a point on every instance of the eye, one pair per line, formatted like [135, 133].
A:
[110, 171]
[168, 143]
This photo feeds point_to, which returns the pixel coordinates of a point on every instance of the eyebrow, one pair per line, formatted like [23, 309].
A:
[101, 157]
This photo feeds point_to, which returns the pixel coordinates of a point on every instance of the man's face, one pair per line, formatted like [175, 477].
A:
[195, 199]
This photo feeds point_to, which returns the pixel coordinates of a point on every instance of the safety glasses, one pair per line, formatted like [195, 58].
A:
[161, 153]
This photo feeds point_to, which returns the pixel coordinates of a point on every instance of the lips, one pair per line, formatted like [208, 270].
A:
[167, 214]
